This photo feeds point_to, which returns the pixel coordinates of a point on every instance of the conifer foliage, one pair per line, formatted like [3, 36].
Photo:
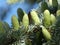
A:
[40, 27]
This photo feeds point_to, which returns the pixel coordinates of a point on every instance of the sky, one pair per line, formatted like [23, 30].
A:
[11, 9]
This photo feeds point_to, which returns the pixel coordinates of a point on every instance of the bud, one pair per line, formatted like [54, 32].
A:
[53, 5]
[46, 34]
[53, 19]
[35, 17]
[50, 2]
[7, 25]
[47, 17]
[25, 20]
[44, 6]
[2, 27]
[20, 13]
[58, 13]
[15, 22]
